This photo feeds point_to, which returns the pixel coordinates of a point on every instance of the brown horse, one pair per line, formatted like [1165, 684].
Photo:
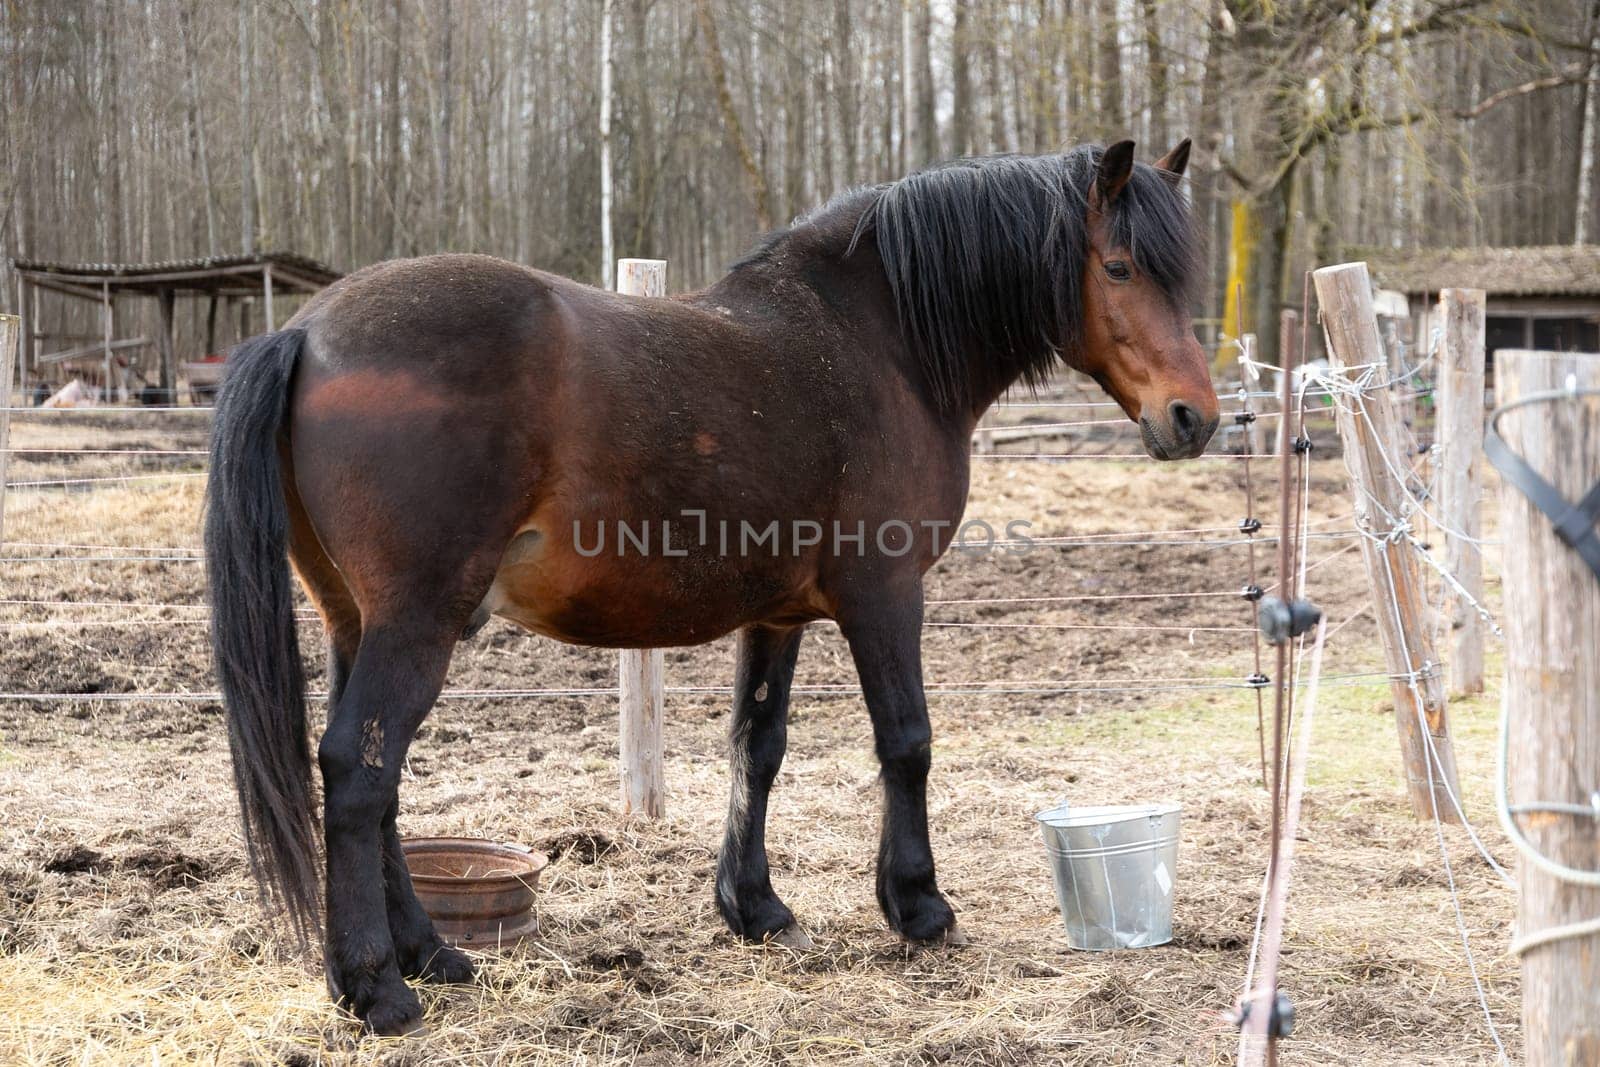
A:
[434, 441]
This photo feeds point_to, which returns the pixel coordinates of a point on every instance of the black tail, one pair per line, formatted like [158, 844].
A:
[252, 625]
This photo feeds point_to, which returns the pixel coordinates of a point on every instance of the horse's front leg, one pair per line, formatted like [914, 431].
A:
[886, 642]
[757, 736]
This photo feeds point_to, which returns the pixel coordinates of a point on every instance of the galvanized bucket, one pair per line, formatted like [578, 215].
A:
[1114, 868]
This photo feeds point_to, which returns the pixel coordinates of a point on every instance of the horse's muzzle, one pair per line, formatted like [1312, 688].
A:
[1182, 434]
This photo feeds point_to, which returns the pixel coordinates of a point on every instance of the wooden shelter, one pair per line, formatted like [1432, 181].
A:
[239, 281]
[1544, 297]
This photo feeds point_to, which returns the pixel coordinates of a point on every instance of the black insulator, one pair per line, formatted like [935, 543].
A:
[1280, 1023]
[1280, 621]
[1251, 592]
[1302, 445]
[1257, 681]
[1250, 525]
[1244, 418]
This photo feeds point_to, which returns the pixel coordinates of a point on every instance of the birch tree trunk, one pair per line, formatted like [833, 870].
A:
[848, 71]
[922, 61]
[197, 129]
[961, 83]
[607, 257]
[247, 131]
[1591, 114]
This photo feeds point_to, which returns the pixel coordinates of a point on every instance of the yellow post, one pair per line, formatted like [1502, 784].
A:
[1241, 242]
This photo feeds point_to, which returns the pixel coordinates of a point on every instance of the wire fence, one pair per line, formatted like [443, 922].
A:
[1318, 395]
[1351, 392]
[1014, 432]
[954, 615]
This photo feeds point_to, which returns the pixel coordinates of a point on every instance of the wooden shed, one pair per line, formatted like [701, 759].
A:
[238, 282]
[1543, 296]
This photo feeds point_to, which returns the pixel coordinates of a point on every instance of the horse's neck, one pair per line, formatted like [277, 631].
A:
[817, 254]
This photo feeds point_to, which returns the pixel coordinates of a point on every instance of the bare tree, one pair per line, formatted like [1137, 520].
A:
[1584, 202]
[607, 252]
[351, 130]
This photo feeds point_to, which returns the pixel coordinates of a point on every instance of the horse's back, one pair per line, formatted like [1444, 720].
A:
[449, 317]
[452, 405]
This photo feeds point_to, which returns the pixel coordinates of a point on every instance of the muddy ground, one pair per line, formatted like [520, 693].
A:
[129, 933]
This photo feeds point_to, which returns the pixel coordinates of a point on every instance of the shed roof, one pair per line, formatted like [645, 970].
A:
[233, 275]
[1533, 270]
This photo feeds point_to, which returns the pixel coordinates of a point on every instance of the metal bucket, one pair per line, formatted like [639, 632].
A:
[1113, 870]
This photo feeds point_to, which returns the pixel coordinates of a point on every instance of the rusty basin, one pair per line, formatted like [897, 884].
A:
[479, 893]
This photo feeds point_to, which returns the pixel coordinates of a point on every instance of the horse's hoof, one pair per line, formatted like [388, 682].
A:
[794, 937]
[955, 937]
[922, 917]
[441, 963]
[394, 1022]
[394, 1013]
[756, 917]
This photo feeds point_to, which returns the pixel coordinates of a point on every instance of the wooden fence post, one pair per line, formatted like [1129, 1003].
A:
[640, 678]
[1552, 694]
[1289, 355]
[10, 328]
[1344, 296]
[1458, 429]
[266, 289]
[107, 326]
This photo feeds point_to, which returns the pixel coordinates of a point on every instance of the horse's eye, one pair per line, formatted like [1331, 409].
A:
[1118, 271]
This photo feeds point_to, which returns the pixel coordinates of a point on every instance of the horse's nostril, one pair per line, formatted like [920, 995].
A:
[1186, 421]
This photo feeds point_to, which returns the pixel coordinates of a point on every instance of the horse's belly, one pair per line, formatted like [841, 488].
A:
[629, 599]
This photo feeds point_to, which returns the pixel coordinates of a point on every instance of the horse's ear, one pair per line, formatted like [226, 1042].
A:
[1176, 161]
[1116, 167]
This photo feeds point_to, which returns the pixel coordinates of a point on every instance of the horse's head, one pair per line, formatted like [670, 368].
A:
[1137, 340]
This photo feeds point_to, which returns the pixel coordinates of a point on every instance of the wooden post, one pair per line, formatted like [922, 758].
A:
[266, 286]
[28, 323]
[10, 330]
[211, 324]
[167, 298]
[1458, 422]
[1289, 355]
[1289, 337]
[640, 673]
[983, 439]
[105, 322]
[1344, 295]
[1404, 404]
[1552, 613]
[30, 353]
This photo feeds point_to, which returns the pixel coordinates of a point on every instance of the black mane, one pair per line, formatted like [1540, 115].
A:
[985, 258]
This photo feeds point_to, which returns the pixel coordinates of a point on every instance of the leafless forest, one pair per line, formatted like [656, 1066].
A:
[355, 130]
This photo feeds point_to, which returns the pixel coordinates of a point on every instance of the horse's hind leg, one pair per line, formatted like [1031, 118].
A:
[418, 949]
[757, 738]
[397, 674]
[419, 952]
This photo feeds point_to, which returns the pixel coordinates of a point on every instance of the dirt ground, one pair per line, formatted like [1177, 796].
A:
[129, 932]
